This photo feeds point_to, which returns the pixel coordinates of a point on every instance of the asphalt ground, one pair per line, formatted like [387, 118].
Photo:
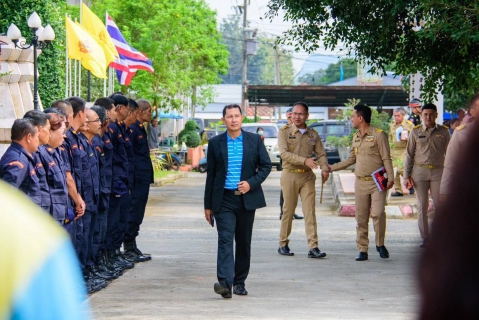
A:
[178, 282]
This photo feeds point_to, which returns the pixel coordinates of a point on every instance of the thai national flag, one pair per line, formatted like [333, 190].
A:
[130, 59]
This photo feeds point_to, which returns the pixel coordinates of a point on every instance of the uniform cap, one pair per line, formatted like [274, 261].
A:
[289, 113]
[414, 103]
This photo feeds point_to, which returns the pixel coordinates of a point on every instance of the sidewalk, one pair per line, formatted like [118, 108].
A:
[343, 193]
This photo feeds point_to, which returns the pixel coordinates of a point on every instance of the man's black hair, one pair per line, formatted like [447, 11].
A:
[39, 118]
[78, 104]
[119, 99]
[453, 121]
[100, 111]
[363, 111]
[22, 128]
[55, 111]
[231, 106]
[105, 102]
[429, 106]
[303, 104]
[133, 106]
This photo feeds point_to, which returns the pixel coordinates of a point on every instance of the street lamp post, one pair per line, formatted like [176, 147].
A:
[42, 37]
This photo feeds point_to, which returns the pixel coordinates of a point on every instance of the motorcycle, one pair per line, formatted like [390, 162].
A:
[169, 161]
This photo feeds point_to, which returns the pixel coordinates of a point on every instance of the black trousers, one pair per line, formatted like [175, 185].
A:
[233, 221]
[139, 198]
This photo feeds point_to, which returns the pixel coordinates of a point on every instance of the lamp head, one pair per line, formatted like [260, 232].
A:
[34, 22]
[14, 33]
[48, 35]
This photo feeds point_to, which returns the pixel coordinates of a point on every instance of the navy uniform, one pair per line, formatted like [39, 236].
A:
[56, 183]
[143, 177]
[126, 198]
[92, 194]
[17, 167]
[39, 157]
[415, 119]
[119, 186]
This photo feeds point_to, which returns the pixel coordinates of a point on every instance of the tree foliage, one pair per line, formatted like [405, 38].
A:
[189, 134]
[439, 38]
[261, 67]
[51, 62]
[331, 73]
[181, 39]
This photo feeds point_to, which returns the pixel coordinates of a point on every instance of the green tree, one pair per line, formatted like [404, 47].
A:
[261, 67]
[439, 38]
[331, 73]
[51, 63]
[182, 41]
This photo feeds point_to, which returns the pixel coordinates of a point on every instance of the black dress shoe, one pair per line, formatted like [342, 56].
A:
[280, 215]
[362, 256]
[297, 217]
[316, 253]
[223, 289]
[285, 251]
[397, 194]
[411, 191]
[239, 289]
[383, 252]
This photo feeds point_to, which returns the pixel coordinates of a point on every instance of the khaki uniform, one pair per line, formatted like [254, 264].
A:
[399, 150]
[426, 151]
[370, 152]
[453, 154]
[296, 178]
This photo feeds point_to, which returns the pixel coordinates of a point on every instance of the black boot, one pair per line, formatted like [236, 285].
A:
[102, 266]
[110, 265]
[107, 276]
[92, 284]
[116, 257]
[132, 252]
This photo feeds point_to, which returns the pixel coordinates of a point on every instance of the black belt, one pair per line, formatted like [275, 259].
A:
[235, 192]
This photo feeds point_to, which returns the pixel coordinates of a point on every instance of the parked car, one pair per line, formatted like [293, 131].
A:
[327, 128]
[270, 133]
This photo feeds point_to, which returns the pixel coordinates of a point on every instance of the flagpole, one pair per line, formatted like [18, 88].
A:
[75, 79]
[70, 77]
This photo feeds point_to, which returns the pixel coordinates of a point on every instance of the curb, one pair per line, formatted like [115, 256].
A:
[169, 179]
[344, 209]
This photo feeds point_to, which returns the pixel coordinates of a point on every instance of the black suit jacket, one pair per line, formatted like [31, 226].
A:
[256, 167]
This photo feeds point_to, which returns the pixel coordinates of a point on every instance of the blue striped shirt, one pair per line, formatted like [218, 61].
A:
[235, 160]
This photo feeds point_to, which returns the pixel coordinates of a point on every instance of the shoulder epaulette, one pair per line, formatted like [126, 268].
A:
[445, 126]
[284, 127]
[462, 126]
[409, 122]
[417, 127]
[378, 130]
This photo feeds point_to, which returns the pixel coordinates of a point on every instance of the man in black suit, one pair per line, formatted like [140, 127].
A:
[237, 165]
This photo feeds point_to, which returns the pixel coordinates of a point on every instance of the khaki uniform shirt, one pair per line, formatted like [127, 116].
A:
[426, 146]
[295, 147]
[407, 125]
[370, 152]
[453, 154]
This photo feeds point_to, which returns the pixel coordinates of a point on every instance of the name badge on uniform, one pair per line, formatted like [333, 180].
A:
[439, 136]
[423, 136]
[369, 138]
[291, 139]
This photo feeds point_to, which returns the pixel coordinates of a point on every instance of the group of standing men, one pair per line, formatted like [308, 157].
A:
[90, 169]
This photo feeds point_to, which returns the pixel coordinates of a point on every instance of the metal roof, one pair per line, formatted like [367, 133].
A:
[328, 96]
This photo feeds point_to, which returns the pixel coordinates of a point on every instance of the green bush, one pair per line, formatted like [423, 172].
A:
[189, 135]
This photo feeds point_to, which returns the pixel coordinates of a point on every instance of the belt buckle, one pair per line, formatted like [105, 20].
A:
[237, 193]
[430, 166]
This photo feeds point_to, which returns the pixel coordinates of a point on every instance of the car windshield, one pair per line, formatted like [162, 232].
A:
[268, 131]
[336, 129]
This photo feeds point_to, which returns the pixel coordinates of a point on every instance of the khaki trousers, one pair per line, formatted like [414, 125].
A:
[399, 154]
[426, 180]
[303, 184]
[369, 202]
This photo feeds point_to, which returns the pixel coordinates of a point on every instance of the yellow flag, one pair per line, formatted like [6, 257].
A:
[96, 28]
[108, 54]
[82, 46]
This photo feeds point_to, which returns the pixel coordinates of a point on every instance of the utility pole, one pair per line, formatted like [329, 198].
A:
[277, 79]
[244, 95]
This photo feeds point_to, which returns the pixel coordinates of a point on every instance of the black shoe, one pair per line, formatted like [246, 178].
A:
[117, 258]
[397, 194]
[285, 251]
[223, 289]
[411, 191]
[362, 256]
[99, 274]
[383, 252]
[134, 254]
[280, 215]
[110, 265]
[316, 253]
[239, 290]
[423, 243]
[297, 217]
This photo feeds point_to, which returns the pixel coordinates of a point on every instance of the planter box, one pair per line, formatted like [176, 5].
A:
[195, 155]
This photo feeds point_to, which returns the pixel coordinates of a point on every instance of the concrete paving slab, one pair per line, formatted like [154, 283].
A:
[178, 282]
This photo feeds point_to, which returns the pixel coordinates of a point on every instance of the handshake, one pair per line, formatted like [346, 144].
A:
[310, 162]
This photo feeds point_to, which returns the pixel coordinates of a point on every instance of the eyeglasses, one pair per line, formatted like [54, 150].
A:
[299, 114]
[96, 120]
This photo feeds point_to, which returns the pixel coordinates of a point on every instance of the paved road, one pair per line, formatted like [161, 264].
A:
[178, 282]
